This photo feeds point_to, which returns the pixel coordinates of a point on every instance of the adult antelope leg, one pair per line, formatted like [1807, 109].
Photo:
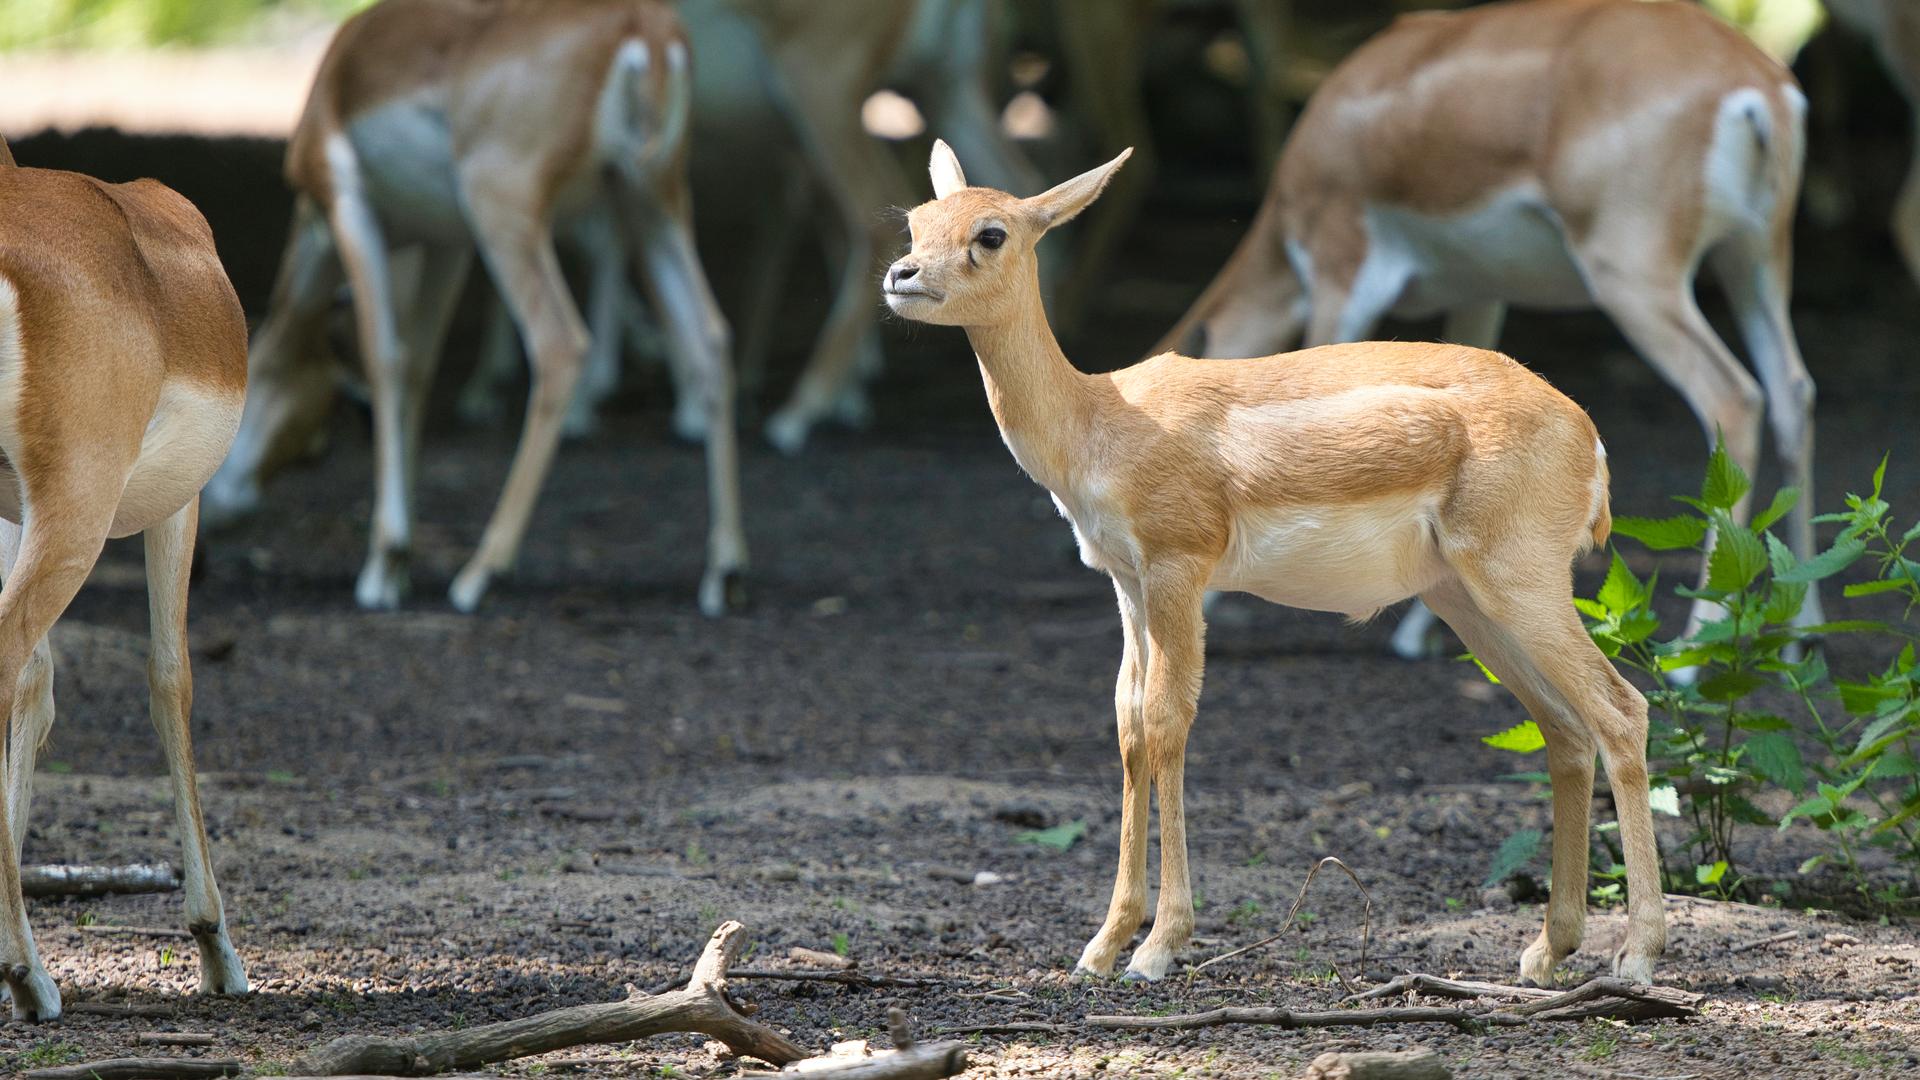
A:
[61, 537]
[1544, 629]
[854, 173]
[518, 248]
[1175, 633]
[698, 337]
[32, 711]
[364, 252]
[1570, 751]
[294, 382]
[1129, 903]
[1477, 325]
[1756, 283]
[170, 679]
[1666, 328]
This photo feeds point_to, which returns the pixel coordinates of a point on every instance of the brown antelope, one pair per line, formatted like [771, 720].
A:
[1342, 478]
[1550, 153]
[445, 125]
[1894, 28]
[123, 365]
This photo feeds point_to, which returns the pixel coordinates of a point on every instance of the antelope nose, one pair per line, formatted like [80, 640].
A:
[899, 272]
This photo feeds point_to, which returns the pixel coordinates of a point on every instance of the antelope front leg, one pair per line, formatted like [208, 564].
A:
[1175, 659]
[1129, 903]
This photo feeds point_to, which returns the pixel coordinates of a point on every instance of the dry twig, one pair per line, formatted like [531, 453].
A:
[174, 1038]
[703, 1006]
[139, 1069]
[1366, 924]
[138, 931]
[62, 880]
[1609, 999]
[1784, 935]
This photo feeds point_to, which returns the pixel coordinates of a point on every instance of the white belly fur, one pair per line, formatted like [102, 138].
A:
[1353, 559]
[405, 155]
[1510, 248]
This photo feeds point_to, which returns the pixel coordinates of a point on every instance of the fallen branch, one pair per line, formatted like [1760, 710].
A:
[107, 1008]
[831, 961]
[907, 1061]
[1605, 998]
[139, 1069]
[1435, 986]
[174, 1038]
[1466, 1020]
[701, 1007]
[849, 978]
[1366, 924]
[922, 1061]
[63, 880]
[1784, 935]
[1614, 999]
[1374, 1065]
[138, 931]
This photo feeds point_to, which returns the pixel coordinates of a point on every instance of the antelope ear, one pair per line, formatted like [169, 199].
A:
[1061, 204]
[945, 169]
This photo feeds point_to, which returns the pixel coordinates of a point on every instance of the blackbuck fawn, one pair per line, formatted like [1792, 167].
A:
[1342, 478]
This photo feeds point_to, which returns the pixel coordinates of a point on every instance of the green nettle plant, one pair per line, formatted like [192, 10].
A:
[1758, 711]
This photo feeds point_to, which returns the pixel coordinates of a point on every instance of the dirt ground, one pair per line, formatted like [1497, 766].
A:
[424, 820]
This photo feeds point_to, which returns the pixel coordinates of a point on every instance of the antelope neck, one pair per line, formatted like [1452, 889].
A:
[1045, 407]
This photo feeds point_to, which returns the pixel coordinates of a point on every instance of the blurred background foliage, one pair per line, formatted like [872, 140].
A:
[113, 24]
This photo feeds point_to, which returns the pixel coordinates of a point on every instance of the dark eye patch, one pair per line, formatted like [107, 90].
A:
[991, 237]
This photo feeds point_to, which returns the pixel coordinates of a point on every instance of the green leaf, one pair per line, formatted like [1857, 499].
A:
[1726, 483]
[1847, 626]
[1526, 778]
[1521, 738]
[1663, 534]
[1783, 501]
[1664, 799]
[1812, 864]
[1816, 805]
[1730, 685]
[1897, 764]
[1621, 592]
[1874, 588]
[1774, 755]
[1484, 669]
[1879, 734]
[1711, 873]
[1518, 850]
[1738, 557]
[1880, 475]
[1828, 563]
[1761, 722]
[1059, 838]
[1592, 609]
[1780, 557]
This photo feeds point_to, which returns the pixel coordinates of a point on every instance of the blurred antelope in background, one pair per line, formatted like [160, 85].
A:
[1558, 154]
[1894, 28]
[1342, 478]
[449, 126]
[123, 366]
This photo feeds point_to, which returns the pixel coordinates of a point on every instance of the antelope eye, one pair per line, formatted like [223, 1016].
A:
[991, 238]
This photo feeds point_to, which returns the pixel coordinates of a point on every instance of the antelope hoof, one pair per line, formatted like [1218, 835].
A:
[787, 431]
[35, 998]
[1632, 967]
[1095, 961]
[723, 593]
[1149, 965]
[383, 583]
[469, 588]
[1537, 964]
[220, 969]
